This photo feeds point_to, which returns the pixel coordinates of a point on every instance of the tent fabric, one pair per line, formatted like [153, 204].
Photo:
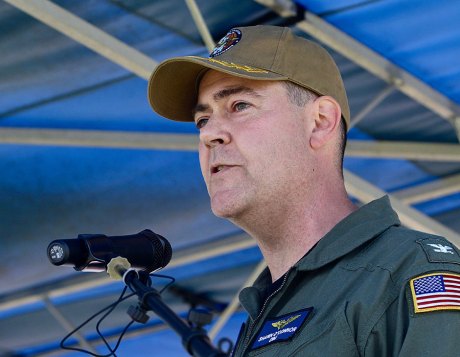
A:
[47, 192]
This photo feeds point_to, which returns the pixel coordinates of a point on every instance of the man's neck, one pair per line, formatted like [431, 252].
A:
[286, 236]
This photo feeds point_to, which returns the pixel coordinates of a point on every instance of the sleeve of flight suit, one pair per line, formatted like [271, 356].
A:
[424, 319]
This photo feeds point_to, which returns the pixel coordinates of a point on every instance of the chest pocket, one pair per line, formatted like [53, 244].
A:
[318, 337]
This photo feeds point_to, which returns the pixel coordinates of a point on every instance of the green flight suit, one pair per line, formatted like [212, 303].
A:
[351, 295]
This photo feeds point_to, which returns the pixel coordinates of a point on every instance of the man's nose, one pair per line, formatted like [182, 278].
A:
[214, 133]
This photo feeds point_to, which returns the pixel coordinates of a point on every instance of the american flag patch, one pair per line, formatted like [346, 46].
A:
[437, 291]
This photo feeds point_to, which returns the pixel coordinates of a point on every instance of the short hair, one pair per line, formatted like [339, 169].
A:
[301, 96]
[298, 95]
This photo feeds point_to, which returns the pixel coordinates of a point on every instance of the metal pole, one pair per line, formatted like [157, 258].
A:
[365, 191]
[456, 121]
[378, 65]
[231, 308]
[200, 24]
[66, 324]
[372, 104]
[88, 35]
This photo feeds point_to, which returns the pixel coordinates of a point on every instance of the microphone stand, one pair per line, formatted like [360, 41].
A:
[194, 340]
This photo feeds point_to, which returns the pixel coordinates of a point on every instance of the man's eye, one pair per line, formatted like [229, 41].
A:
[200, 123]
[241, 106]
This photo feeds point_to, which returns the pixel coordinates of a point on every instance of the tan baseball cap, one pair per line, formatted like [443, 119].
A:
[256, 52]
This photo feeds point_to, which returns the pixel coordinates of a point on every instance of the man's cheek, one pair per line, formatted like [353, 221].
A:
[203, 161]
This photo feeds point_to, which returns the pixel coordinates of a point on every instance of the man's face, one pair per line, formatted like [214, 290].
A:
[254, 144]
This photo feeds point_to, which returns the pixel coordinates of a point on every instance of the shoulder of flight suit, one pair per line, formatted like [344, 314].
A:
[424, 317]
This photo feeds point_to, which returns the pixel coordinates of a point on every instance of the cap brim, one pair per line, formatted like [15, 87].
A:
[173, 86]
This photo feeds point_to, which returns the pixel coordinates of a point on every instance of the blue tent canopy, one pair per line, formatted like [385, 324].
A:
[82, 152]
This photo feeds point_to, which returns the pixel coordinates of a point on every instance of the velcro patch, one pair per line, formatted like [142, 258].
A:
[439, 250]
[281, 329]
[436, 291]
[228, 41]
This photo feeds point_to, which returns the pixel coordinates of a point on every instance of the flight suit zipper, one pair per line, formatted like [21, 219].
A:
[251, 325]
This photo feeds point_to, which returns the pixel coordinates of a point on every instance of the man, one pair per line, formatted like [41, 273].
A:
[272, 113]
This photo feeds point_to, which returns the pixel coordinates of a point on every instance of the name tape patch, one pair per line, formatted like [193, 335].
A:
[281, 329]
[436, 291]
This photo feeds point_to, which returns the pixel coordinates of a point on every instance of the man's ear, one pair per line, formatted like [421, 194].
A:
[327, 119]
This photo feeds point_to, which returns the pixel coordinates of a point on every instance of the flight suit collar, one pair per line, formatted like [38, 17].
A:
[356, 229]
[252, 297]
[353, 231]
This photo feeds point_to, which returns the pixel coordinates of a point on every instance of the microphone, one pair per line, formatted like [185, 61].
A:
[145, 250]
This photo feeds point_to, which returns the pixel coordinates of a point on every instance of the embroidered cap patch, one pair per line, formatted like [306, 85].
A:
[229, 40]
[437, 291]
[281, 329]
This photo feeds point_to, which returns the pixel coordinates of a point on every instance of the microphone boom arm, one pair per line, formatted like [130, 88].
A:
[195, 341]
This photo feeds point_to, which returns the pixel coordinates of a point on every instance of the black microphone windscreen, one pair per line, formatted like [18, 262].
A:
[145, 250]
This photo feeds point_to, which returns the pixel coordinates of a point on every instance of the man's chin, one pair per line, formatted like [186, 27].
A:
[225, 208]
[223, 212]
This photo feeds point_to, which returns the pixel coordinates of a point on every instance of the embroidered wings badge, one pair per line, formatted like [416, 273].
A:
[280, 324]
